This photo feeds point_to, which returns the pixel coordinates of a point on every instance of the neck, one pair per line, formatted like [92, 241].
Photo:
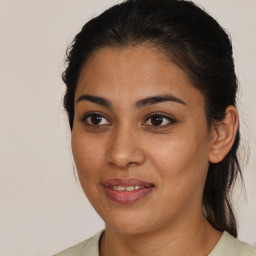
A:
[186, 238]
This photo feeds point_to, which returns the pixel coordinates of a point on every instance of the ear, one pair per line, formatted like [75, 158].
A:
[223, 135]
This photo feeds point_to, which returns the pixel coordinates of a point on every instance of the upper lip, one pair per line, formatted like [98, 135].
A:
[126, 182]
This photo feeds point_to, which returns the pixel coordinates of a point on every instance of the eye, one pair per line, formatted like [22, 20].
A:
[95, 119]
[159, 120]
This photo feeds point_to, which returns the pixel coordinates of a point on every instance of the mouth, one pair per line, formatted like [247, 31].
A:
[127, 190]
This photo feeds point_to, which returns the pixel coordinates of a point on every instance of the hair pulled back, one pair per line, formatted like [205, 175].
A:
[194, 41]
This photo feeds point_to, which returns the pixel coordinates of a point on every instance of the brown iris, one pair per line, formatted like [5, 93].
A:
[96, 119]
[156, 120]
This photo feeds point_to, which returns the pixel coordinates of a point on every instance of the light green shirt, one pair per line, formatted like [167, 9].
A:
[226, 246]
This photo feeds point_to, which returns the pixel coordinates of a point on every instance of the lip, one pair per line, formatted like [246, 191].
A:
[127, 196]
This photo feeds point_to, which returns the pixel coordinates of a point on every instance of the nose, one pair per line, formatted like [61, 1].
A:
[124, 150]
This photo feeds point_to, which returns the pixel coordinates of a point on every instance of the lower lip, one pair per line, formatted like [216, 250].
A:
[127, 196]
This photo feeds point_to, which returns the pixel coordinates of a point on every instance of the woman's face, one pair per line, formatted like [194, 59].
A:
[140, 140]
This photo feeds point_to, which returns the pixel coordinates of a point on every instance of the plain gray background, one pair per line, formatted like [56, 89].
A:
[42, 208]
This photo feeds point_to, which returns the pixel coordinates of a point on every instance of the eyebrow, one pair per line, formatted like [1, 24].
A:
[158, 99]
[95, 99]
[139, 104]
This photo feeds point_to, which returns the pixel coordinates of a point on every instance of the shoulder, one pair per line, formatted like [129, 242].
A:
[230, 246]
[87, 247]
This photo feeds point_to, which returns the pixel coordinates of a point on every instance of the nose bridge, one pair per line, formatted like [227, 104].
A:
[124, 147]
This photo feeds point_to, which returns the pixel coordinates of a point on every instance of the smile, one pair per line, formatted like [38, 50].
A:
[127, 190]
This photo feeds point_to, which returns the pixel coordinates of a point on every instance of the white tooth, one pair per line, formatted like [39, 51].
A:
[118, 188]
[130, 188]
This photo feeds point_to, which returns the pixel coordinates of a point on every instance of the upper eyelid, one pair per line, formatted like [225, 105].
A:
[90, 113]
[164, 115]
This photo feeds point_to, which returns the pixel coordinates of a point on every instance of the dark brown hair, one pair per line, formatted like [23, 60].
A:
[195, 42]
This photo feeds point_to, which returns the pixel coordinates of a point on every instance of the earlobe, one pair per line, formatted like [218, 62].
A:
[223, 135]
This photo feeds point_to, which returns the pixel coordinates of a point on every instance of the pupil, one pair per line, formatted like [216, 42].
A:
[95, 119]
[156, 120]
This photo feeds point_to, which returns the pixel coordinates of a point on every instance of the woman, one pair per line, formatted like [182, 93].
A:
[151, 101]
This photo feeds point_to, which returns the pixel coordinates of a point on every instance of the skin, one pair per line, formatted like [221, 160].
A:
[174, 155]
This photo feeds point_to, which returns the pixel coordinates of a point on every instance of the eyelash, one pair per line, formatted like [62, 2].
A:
[170, 120]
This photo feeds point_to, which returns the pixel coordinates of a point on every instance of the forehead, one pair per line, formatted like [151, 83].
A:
[134, 72]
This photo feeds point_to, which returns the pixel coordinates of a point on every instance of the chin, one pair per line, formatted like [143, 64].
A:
[129, 224]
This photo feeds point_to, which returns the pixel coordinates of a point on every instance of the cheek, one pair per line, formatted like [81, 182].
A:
[180, 158]
[87, 156]
[182, 167]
